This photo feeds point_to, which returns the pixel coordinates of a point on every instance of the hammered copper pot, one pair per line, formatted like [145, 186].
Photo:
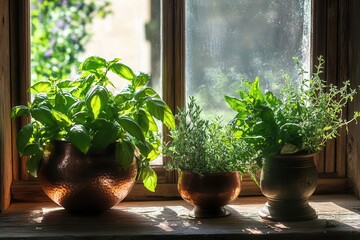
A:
[288, 181]
[209, 193]
[80, 183]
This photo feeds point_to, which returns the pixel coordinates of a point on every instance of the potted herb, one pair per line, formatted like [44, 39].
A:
[209, 162]
[88, 145]
[287, 131]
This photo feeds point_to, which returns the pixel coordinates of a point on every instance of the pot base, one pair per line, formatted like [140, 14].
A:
[287, 211]
[209, 213]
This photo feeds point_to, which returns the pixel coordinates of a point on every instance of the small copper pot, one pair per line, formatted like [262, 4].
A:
[209, 193]
[80, 183]
[288, 181]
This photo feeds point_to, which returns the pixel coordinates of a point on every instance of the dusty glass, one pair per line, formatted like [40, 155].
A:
[230, 40]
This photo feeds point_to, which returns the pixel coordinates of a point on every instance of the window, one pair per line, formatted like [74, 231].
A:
[176, 20]
[227, 41]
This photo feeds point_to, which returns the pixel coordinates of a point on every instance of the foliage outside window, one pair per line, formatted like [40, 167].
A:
[59, 31]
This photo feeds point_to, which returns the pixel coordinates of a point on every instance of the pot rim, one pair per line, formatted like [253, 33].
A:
[298, 154]
[209, 174]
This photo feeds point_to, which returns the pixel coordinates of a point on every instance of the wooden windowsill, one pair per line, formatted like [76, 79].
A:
[339, 218]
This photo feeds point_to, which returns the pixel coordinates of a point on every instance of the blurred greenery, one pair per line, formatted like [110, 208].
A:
[59, 32]
[227, 41]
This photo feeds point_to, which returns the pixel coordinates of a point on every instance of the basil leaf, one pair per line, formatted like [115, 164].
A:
[161, 111]
[96, 99]
[124, 153]
[93, 63]
[132, 127]
[41, 87]
[122, 71]
[79, 136]
[43, 115]
[107, 134]
[149, 178]
[23, 137]
[33, 163]
[19, 111]
[61, 118]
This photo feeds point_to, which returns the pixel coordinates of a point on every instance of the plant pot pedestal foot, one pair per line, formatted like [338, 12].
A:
[287, 211]
[209, 213]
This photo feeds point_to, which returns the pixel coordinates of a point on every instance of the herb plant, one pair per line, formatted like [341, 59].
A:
[301, 119]
[88, 115]
[201, 146]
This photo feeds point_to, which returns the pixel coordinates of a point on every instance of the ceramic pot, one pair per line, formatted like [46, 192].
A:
[288, 181]
[80, 183]
[209, 193]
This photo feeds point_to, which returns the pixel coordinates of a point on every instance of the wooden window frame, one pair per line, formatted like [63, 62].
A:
[330, 23]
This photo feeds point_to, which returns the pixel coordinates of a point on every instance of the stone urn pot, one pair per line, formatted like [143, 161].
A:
[209, 193]
[84, 183]
[288, 181]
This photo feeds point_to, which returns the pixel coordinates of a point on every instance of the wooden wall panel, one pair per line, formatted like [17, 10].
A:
[343, 75]
[354, 75]
[5, 105]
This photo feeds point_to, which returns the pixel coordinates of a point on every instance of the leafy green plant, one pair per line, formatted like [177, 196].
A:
[85, 113]
[59, 33]
[201, 146]
[301, 119]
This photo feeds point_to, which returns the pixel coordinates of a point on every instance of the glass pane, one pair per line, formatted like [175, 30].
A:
[65, 32]
[229, 40]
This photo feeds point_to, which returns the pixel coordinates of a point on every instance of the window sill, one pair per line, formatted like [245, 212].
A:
[339, 218]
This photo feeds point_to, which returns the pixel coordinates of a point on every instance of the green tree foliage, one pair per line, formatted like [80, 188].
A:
[59, 31]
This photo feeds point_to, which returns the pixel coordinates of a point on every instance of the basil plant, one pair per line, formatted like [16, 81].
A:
[85, 113]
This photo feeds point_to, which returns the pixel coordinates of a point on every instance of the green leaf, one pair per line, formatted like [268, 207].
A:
[79, 136]
[76, 107]
[289, 149]
[255, 91]
[272, 100]
[66, 83]
[31, 149]
[61, 118]
[123, 97]
[23, 137]
[63, 101]
[107, 134]
[144, 149]
[141, 80]
[80, 117]
[161, 111]
[124, 152]
[142, 120]
[149, 178]
[146, 92]
[132, 127]
[33, 163]
[43, 115]
[19, 111]
[41, 87]
[236, 104]
[96, 99]
[93, 63]
[41, 99]
[122, 71]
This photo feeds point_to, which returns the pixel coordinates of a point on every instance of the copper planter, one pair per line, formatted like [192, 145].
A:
[209, 193]
[82, 183]
[288, 181]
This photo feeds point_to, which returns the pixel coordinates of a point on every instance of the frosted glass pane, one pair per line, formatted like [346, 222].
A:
[229, 40]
